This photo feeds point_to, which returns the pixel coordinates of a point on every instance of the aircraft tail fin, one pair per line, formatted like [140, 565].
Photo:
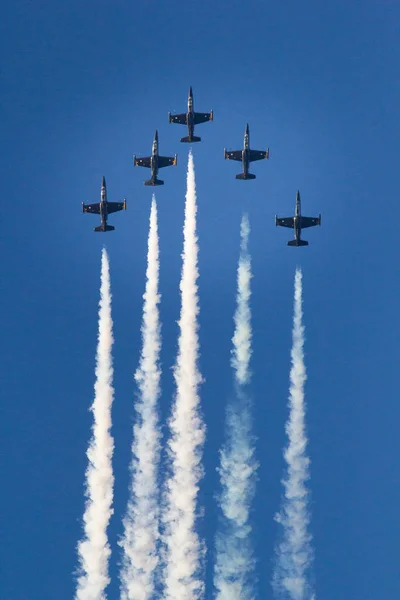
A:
[106, 228]
[297, 243]
[191, 139]
[154, 182]
[244, 176]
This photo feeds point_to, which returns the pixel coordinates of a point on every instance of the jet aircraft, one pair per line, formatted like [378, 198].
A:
[191, 119]
[297, 223]
[246, 156]
[104, 208]
[155, 162]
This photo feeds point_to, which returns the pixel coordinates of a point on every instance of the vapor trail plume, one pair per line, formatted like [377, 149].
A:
[294, 553]
[140, 539]
[94, 550]
[184, 551]
[242, 336]
[234, 560]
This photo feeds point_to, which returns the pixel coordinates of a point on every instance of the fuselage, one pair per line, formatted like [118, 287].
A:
[154, 157]
[297, 218]
[190, 114]
[103, 205]
[245, 151]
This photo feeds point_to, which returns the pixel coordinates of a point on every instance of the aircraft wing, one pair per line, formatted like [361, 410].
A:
[142, 162]
[91, 208]
[286, 222]
[233, 155]
[202, 117]
[181, 119]
[166, 161]
[309, 222]
[258, 155]
[115, 206]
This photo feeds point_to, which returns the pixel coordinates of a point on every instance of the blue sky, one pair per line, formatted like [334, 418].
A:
[83, 87]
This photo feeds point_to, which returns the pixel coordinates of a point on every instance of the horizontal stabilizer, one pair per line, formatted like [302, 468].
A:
[154, 182]
[106, 228]
[297, 243]
[191, 139]
[244, 176]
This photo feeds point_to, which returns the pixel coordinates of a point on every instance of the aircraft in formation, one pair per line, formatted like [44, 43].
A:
[246, 156]
[191, 118]
[156, 162]
[104, 208]
[297, 223]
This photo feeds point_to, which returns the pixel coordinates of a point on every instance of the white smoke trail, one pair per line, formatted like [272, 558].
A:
[242, 335]
[184, 551]
[294, 553]
[140, 539]
[234, 559]
[94, 550]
